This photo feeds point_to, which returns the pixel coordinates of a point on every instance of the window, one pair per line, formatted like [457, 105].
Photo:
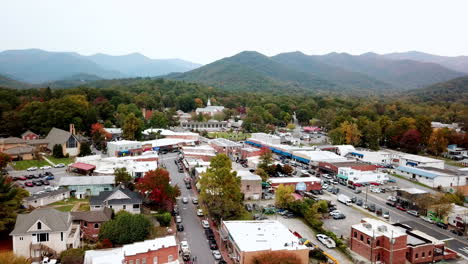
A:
[137, 261]
[416, 256]
[106, 189]
[170, 258]
[423, 254]
[429, 253]
[124, 207]
[143, 261]
[110, 206]
[39, 225]
[85, 224]
[378, 242]
[98, 206]
[21, 238]
[96, 225]
[248, 187]
[71, 142]
[44, 237]
[61, 236]
[155, 260]
[355, 234]
[136, 206]
[368, 241]
[362, 238]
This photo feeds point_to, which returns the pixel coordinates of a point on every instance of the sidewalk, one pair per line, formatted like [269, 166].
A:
[46, 159]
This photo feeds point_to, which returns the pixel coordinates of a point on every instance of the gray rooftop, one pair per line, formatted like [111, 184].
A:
[19, 150]
[57, 136]
[86, 180]
[46, 194]
[133, 197]
[11, 140]
[53, 219]
[93, 216]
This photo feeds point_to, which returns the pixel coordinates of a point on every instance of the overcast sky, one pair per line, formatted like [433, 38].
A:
[203, 31]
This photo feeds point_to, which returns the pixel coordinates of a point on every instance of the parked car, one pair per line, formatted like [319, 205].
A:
[38, 183]
[353, 199]
[21, 178]
[248, 207]
[386, 215]
[180, 227]
[195, 200]
[390, 203]
[413, 213]
[178, 219]
[60, 165]
[29, 184]
[212, 244]
[442, 225]
[45, 167]
[49, 178]
[457, 232]
[359, 202]
[209, 233]
[371, 208]
[184, 200]
[45, 182]
[339, 216]
[327, 241]
[31, 169]
[325, 186]
[378, 211]
[357, 191]
[335, 212]
[392, 198]
[30, 176]
[217, 254]
[205, 224]
[200, 212]
[427, 219]
[401, 208]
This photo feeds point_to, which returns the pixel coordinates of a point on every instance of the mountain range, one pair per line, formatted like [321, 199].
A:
[38, 66]
[336, 72]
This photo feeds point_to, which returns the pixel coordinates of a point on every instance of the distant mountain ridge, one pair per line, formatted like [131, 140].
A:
[455, 90]
[334, 72]
[7, 82]
[458, 63]
[38, 66]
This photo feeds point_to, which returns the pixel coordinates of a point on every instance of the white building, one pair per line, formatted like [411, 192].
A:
[203, 152]
[411, 160]
[453, 126]
[172, 134]
[433, 177]
[343, 150]
[119, 199]
[246, 239]
[209, 109]
[168, 143]
[46, 198]
[44, 230]
[316, 156]
[371, 157]
[266, 138]
[124, 148]
[116, 133]
[137, 166]
[357, 176]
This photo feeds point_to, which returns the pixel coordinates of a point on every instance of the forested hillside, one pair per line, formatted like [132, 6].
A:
[455, 90]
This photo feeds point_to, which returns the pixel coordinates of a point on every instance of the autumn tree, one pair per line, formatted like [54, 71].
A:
[99, 134]
[4, 160]
[262, 173]
[198, 102]
[11, 198]
[411, 140]
[266, 158]
[221, 189]
[277, 257]
[287, 169]
[157, 189]
[10, 258]
[132, 127]
[346, 133]
[437, 143]
[283, 195]
[122, 176]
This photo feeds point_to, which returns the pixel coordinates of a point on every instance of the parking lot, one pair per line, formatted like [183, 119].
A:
[57, 174]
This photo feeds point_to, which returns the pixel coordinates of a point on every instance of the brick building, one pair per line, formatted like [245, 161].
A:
[385, 243]
[162, 250]
[29, 135]
[251, 185]
[230, 148]
[333, 167]
[90, 222]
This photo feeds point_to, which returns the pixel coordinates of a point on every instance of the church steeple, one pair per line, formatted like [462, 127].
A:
[209, 102]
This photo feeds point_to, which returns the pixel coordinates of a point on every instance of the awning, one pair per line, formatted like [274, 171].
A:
[301, 159]
[414, 164]
[357, 154]
[83, 166]
[341, 176]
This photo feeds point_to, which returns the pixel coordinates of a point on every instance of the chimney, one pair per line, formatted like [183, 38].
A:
[72, 129]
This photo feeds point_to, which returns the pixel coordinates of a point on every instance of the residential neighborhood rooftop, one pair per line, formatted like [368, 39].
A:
[86, 180]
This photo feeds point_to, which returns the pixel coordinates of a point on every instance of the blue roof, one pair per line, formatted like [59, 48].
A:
[357, 154]
[416, 171]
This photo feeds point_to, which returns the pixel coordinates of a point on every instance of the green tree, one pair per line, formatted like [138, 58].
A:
[57, 151]
[122, 176]
[220, 189]
[423, 125]
[283, 196]
[11, 198]
[262, 173]
[266, 159]
[85, 149]
[164, 219]
[72, 256]
[158, 120]
[132, 127]
[126, 228]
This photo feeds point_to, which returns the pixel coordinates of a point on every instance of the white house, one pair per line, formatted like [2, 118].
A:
[358, 176]
[46, 198]
[433, 177]
[44, 230]
[120, 198]
[136, 166]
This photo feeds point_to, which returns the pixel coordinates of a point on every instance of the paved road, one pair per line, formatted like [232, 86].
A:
[454, 242]
[194, 232]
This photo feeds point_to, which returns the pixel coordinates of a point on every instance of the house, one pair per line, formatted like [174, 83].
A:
[44, 231]
[115, 133]
[381, 242]
[120, 198]
[21, 153]
[82, 186]
[456, 153]
[124, 148]
[162, 250]
[90, 222]
[68, 140]
[247, 239]
[251, 185]
[299, 183]
[433, 177]
[46, 198]
[29, 135]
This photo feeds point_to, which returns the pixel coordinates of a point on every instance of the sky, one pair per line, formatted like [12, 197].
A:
[203, 31]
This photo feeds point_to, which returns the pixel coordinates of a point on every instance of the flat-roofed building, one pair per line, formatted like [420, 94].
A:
[299, 183]
[251, 185]
[124, 148]
[433, 177]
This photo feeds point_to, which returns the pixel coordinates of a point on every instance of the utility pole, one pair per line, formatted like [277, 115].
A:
[371, 247]
[392, 241]
[367, 188]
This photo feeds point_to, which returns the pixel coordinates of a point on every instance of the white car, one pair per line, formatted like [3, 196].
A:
[376, 190]
[199, 212]
[325, 186]
[328, 242]
[217, 254]
[392, 198]
[205, 224]
[178, 219]
[31, 169]
[427, 219]
[60, 165]
[184, 200]
[45, 167]
[184, 245]
[195, 201]
[336, 212]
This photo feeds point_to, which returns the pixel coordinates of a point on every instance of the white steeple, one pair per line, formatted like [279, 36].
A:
[209, 102]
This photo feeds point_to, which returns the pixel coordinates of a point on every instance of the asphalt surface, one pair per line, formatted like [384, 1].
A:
[193, 230]
[459, 244]
[58, 173]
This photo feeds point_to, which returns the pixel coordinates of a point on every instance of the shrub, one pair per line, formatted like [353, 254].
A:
[126, 228]
[11, 258]
[72, 256]
[164, 219]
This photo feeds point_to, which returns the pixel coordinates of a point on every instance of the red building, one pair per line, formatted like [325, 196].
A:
[29, 135]
[91, 221]
[250, 152]
[332, 167]
[161, 250]
[381, 242]
[299, 183]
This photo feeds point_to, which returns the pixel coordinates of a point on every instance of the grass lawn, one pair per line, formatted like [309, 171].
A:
[24, 164]
[65, 208]
[229, 135]
[65, 161]
[69, 201]
[83, 207]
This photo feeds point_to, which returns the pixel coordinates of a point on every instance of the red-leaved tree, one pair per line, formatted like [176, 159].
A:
[4, 159]
[411, 140]
[157, 190]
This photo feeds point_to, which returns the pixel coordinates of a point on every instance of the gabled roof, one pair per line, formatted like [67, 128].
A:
[46, 194]
[93, 216]
[57, 136]
[133, 197]
[54, 219]
[11, 140]
[19, 150]
[28, 132]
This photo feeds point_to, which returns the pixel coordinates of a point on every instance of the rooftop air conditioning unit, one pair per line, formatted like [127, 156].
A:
[382, 228]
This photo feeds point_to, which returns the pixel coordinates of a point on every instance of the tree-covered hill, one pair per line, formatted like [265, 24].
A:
[455, 90]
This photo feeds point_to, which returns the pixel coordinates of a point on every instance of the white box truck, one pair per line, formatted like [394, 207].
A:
[344, 199]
